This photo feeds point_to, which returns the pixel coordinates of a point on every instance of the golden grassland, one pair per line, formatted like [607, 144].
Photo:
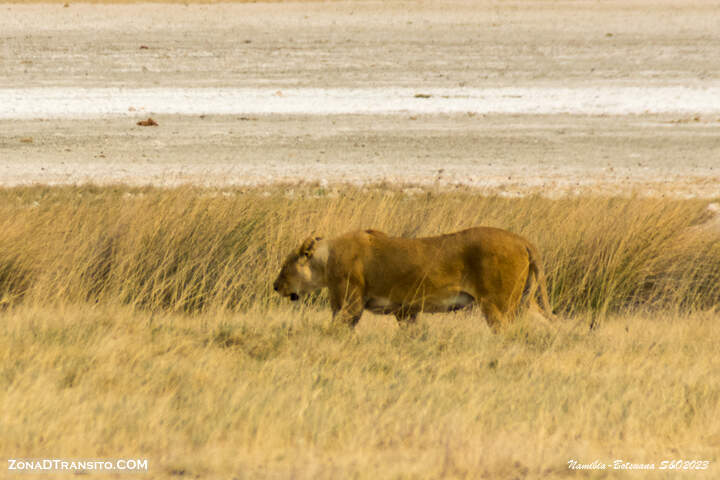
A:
[140, 323]
[195, 250]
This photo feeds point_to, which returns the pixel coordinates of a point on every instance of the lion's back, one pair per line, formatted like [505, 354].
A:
[398, 266]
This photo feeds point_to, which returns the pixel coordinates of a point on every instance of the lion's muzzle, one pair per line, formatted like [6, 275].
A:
[293, 296]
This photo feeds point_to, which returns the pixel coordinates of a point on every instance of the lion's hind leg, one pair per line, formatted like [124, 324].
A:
[502, 306]
[406, 317]
[493, 316]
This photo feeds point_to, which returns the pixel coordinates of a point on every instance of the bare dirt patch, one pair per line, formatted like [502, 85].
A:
[505, 154]
[360, 44]
[421, 45]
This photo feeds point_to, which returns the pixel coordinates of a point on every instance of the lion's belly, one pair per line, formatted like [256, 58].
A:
[382, 305]
[449, 303]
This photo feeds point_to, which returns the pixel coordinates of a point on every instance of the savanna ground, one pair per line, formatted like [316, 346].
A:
[361, 44]
[139, 322]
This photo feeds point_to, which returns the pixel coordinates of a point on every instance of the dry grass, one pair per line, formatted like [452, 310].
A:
[281, 395]
[140, 323]
[195, 250]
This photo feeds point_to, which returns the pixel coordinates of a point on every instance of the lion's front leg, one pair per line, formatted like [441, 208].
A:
[347, 304]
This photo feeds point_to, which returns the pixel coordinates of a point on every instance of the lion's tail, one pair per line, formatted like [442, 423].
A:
[536, 285]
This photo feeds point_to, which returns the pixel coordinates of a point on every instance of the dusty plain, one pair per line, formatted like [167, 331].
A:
[367, 44]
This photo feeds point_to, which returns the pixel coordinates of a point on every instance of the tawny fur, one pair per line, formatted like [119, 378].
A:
[368, 270]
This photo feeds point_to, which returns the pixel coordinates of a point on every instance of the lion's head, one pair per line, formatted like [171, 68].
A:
[300, 274]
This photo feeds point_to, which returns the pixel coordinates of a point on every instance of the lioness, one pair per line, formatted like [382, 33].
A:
[368, 270]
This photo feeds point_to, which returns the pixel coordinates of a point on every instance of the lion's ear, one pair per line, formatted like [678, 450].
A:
[308, 247]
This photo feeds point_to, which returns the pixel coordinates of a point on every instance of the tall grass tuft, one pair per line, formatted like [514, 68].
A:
[193, 249]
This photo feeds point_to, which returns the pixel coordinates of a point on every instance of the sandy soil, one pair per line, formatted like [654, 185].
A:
[507, 154]
[362, 45]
